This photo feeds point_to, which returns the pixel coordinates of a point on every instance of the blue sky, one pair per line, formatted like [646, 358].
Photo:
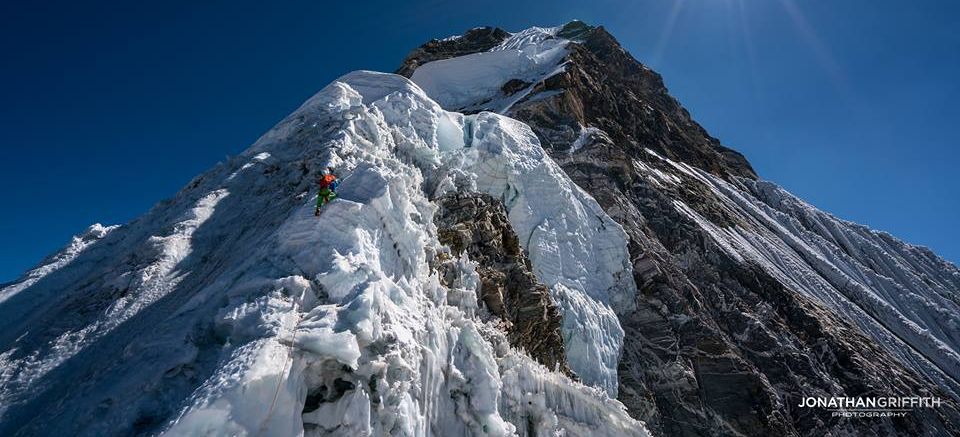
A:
[107, 108]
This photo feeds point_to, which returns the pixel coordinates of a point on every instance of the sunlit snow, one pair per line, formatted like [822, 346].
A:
[222, 309]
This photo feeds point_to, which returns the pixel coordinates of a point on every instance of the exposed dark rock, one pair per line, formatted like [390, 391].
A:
[606, 88]
[513, 85]
[716, 345]
[717, 341]
[477, 224]
[603, 87]
[575, 30]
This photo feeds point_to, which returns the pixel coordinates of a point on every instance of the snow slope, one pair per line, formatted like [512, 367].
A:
[58, 260]
[903, 296]
[231, 310]
[473, 82]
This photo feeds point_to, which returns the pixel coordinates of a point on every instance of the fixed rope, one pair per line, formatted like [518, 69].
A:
[286, 363]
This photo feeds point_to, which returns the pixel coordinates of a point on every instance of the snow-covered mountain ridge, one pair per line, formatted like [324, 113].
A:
[233, 310]
[683, 295]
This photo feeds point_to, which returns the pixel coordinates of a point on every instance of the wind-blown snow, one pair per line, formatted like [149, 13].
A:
[229, 308]
[585, 137]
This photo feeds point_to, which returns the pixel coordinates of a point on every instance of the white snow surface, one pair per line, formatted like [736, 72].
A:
[472, 82]
[58, 260]
[904, 296]
[227, 309]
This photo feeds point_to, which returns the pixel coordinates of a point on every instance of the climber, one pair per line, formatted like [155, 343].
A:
[328, 189]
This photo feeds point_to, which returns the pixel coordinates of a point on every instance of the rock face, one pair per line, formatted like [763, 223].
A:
[477, 224]
[748, 299]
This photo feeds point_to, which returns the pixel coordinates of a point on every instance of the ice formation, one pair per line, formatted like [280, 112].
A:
[232, 310]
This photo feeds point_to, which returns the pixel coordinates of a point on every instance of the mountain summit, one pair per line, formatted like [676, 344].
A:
[531, 237]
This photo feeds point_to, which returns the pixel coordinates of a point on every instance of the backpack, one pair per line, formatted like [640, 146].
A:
[327, 180]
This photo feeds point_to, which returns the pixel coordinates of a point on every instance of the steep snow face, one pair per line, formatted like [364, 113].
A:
[474, 82]
[903, 296]
[231, 309]
[57, 261]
